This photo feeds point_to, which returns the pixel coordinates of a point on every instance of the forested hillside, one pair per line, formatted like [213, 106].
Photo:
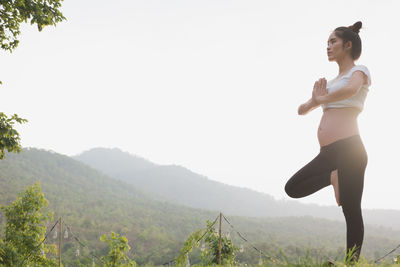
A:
[180, 185]
[92, 204]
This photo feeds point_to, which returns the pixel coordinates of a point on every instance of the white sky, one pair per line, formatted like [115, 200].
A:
[212, 85]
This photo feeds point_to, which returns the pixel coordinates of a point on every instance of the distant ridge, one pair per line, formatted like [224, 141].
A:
[92, 204]
[180, 185]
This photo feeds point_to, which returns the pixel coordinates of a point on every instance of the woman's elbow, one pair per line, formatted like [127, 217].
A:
[301, 110]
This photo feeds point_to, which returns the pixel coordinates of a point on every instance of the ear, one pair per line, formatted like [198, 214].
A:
[348, 45]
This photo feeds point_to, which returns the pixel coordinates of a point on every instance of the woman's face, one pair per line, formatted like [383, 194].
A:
[335, 48]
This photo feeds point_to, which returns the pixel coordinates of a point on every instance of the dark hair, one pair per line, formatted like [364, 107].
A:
[350, 34]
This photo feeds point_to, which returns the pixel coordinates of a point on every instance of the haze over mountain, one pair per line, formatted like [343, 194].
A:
[92, 204]
[180, 185]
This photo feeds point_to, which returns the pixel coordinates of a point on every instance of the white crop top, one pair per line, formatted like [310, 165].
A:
[353, 101]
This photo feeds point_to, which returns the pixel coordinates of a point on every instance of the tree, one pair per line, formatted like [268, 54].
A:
[210, 255]
[25, 230]
[14, 12]
[9, 137]
[191, 241]
[118, 246]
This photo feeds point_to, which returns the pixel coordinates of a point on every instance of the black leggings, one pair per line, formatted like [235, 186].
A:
[349, 157]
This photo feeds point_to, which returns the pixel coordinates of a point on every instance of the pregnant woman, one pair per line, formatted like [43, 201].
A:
[342, 159]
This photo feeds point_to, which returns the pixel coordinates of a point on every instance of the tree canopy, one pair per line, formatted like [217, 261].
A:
[13, 13]
[25, 229]
[9, 137]
[118, 246]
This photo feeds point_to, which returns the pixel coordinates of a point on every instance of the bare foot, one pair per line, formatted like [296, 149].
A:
[335, 184]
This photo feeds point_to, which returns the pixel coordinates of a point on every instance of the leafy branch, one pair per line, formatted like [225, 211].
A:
[9, 137]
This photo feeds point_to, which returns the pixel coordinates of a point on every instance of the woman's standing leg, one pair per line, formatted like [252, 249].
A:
[352, 163]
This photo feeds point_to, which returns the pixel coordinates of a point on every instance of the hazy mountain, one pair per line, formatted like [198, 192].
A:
[180, 185]
[92, 204]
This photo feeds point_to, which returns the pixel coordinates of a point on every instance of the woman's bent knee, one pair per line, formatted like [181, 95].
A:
[290, 191]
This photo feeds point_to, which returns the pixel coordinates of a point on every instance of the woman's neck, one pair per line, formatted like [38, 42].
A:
[345, 66]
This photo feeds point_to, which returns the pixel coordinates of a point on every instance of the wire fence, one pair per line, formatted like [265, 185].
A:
[244, 239]
[198, 240]
[93, 254]
[387, 254]
[44, 239]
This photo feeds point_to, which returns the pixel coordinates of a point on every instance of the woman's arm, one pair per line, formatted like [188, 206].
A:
[307, 107]
[321, 97]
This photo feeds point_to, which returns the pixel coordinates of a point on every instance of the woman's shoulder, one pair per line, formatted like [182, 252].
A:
[363, 69]
[360, 67]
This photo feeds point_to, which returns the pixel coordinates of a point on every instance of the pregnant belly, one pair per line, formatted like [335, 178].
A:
[336, 124]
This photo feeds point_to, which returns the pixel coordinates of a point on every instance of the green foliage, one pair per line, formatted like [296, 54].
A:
[307, 260]
[188, 246]
[26, 229]
[118, 246]
[211, 254]
[13, 13]
[9, 137]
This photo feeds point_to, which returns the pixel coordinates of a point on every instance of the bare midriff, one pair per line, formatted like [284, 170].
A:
[336, 124]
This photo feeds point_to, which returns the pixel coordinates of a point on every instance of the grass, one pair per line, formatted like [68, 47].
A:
[307, 260]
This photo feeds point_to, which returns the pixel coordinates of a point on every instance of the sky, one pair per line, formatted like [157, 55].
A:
[211, 85]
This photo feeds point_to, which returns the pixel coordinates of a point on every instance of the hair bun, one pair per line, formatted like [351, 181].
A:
[356, 27]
